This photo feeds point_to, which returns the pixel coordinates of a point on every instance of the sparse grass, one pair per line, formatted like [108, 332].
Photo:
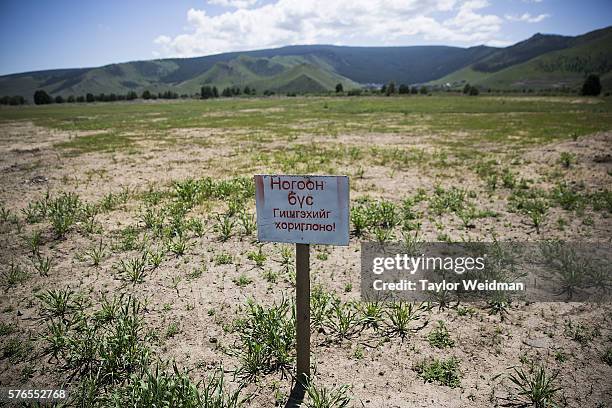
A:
[42, 264]
[267, 339]
[567, 159]
[258, 257]
[223, 258]
[225, 227]
[440, 337]
[242, 280]
[607, 356]
[63, 212]
[174, 388]
[444, 372]
[15, 275]
[323, 397]
[580, 332]
[133, 270]
[400, 317]
[535, 385]
[96, 254]
[172, 330]
[17, 349]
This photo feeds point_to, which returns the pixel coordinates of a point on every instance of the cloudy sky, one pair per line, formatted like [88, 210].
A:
[79, 33]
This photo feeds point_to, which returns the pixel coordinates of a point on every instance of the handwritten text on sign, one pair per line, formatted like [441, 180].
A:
[302, 209]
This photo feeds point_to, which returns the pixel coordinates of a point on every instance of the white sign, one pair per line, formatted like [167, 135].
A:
[302, 209]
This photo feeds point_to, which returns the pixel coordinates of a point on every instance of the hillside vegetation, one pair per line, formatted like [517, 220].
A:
[540, 62]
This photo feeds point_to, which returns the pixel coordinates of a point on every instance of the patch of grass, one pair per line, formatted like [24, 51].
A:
[607, 356]
[258, 257]
[242, 280]
[59, 303]
[223, 258]
[535, 385]
[101, 142]
[96, 254]
[133, 270]
[323, 397]
[15, 275]
[7, 328]
[172, 330]
[42, 264]
[566, 159]
[444, 372]
[174, 388]
[17, 349]
[225, 227]
[343, 320]
[440, 337]
[401, 315]
[580, 332]
[63, 212]
[266, 339]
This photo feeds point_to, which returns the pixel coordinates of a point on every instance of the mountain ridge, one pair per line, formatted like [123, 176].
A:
[318, 68]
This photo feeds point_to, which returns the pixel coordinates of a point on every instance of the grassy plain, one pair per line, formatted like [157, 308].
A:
[128, 249]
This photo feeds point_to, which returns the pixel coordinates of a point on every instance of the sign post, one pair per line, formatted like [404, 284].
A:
[302, 310]
[303, 210]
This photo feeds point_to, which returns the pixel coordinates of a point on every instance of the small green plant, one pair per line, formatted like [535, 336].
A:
[343, 320]
[15, 275]
[223, 258]
[178, 245]
[7, 328]
[247, 222]
[225, 227]
[58, 303]
[172, 330]
[270, 276]
[34, 241]
[17, 349]
[133, 270]
[400, 316]
[242, 280]
[286, 260]
[196, 273]
[567, 159]
[96, 254]
[258, 257]
[63, 212]
[440, 337]
[607, 356]
[267, 339]
[323, 397]
[444, 372]
[535, 385]
[580, 332]
[560, 356]
[42, 264]
[499, 304]
[155, 258]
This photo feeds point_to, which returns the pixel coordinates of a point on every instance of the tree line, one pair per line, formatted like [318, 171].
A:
[590, 87]
[41, 97]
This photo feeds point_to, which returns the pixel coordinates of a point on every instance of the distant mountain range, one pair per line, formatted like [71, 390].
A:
[542, 61]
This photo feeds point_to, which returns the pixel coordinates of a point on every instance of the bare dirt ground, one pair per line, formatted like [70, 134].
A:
[380, 371]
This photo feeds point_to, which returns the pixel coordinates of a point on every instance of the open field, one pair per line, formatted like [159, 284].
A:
[127, 248]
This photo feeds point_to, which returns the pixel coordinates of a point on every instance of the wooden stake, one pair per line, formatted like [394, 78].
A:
[302, 310]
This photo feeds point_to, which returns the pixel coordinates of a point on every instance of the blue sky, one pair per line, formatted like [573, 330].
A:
[67, 33]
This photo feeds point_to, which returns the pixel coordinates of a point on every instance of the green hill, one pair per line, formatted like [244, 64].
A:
[542, 62]
[308, 68]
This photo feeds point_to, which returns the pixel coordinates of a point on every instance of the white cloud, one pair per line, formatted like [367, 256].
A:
[527, 18]
[233, 3]
[358, 22]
